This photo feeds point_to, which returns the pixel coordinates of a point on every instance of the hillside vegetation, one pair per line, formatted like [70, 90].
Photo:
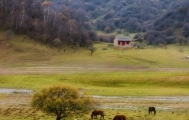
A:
[76, 22]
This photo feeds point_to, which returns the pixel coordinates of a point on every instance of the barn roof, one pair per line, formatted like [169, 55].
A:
[123, 38]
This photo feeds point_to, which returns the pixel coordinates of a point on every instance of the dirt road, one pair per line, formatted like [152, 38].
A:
[68, 69]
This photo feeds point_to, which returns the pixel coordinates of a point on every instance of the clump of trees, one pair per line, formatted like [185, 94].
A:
[109, 15]
[62, 101]
[159, 37]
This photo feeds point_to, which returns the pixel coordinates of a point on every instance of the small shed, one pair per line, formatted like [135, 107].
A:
[122, 41]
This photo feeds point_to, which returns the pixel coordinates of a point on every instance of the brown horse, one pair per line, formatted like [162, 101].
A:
[152, 109]
[97, 112]
[120, 117]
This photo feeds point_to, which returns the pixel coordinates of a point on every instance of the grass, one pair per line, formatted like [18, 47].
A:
[16, 52]
[141, 114]
[111, 72]
[108, 84]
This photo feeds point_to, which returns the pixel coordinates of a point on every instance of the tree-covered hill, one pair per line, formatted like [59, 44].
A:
[38, 19]
[172, 26]
[108, 15]
[162, 20]
[74, 22]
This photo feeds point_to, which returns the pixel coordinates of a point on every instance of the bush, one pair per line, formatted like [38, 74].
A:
[62, 101]
[108, 39]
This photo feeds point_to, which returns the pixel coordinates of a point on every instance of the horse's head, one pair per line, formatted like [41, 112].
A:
[102, 114]
[92, 114]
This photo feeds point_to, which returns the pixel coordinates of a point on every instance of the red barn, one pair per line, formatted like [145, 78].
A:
[122, 41]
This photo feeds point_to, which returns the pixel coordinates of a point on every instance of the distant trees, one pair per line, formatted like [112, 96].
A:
[132, 25]
[107, 38]
[61, 101]
[139, 37]
[159, 37]
[185, 30]
[174, 18]
[72, 21]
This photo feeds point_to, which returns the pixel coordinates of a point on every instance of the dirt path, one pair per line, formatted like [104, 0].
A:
[135, 102]
[78, 69]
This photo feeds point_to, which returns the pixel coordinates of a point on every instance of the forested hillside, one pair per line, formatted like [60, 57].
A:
[75, 22]
[107, 15]
[163, 21]
[38, 20]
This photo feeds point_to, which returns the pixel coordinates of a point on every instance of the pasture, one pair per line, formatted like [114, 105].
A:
[107, 84]
[137, 84]
[111, 72]
[24, 112]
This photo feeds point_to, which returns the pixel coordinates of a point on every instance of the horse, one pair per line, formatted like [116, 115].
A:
[97, 112]
[152, 109]
[120, 117]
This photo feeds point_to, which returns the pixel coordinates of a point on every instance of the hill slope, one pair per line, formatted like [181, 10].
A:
[23, 54]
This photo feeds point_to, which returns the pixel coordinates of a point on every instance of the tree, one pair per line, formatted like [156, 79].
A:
[107, 29]
[46, 5]
[139, 37]
[185, 30]
[57, 42]
[92, 49]
[62, 101]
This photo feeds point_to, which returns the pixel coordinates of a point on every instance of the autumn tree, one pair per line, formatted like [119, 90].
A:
[62, 101]
[46, 6]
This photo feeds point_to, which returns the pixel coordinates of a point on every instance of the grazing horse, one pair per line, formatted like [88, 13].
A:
[97, 112]
[152, 109]
[120, 117]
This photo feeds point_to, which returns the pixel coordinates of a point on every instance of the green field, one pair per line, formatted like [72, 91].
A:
[108, 84]
[112, 72]
[19, 52]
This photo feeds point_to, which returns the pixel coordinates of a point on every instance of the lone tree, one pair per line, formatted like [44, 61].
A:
[62, 101]
[92, 49]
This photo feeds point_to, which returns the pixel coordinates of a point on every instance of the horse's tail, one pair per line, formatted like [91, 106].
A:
[92, 115]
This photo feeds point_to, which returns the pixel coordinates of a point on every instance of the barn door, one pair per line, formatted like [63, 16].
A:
[123, 43]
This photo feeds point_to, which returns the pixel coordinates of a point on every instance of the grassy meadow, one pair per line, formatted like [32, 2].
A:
[107, 84]
[151, 71]
[25, 52]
